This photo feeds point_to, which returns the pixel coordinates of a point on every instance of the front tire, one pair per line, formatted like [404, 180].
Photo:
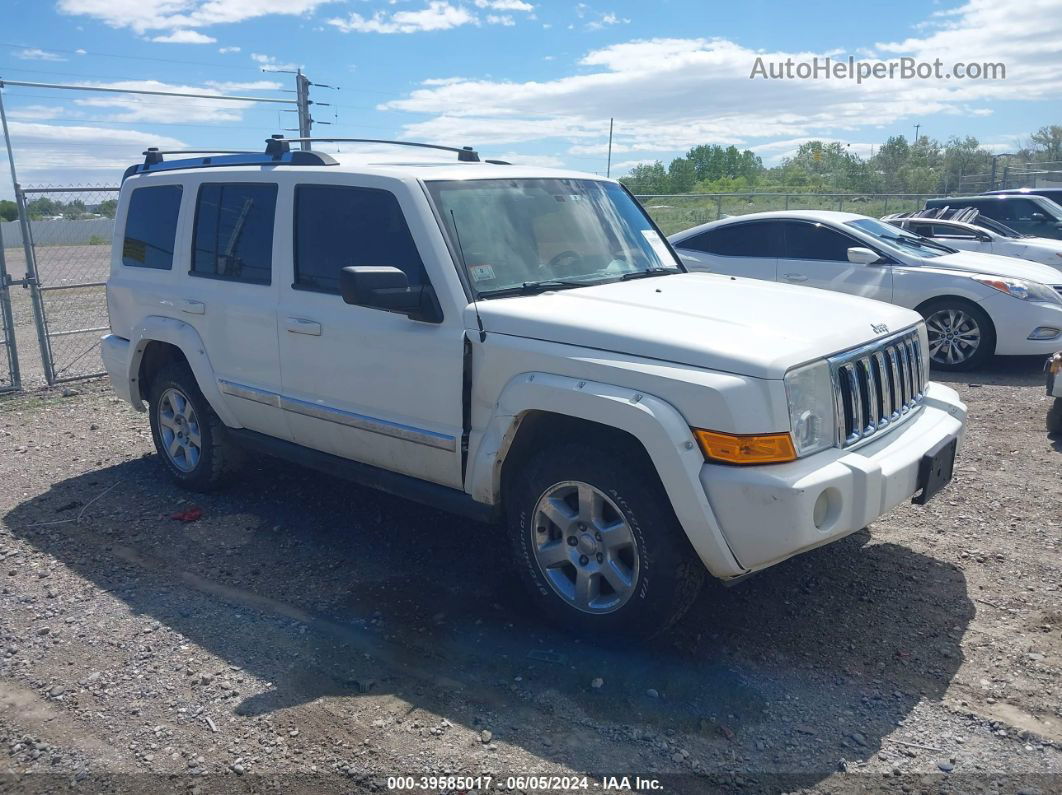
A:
[597, 544]
[961, 334]
[191, 440]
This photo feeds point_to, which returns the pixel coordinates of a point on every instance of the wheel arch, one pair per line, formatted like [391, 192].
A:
[533, 404]
[160, 340]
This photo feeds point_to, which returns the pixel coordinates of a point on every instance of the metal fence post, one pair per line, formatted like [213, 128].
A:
[787, 201]
[34, 285]
[718, 207]
[7, 325]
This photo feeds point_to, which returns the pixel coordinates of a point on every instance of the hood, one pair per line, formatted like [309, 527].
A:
[995, 265]
[706, 320]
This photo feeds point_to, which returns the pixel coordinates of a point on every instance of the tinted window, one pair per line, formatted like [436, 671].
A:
[753, 239]
[943, 230]
[337, 226]
[151, 227]
[815, 241]
[234, 232]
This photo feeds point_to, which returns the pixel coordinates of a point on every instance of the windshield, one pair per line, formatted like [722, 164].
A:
[520, 234]
[899, 240]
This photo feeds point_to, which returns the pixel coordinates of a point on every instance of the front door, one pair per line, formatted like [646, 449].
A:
[815, 255]
[363, 383]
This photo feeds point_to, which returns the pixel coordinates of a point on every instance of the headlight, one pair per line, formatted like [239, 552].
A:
[1020, 288]
[809, 392]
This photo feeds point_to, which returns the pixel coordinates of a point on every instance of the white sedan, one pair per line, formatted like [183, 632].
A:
[969, 236]
[975, 305]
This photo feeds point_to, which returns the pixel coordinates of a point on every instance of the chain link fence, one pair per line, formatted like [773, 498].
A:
[9, 374]
[70, 231]
[676, 212]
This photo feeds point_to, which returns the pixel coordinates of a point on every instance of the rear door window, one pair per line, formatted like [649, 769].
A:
[151, 227]
[233, 237]
[752, 239]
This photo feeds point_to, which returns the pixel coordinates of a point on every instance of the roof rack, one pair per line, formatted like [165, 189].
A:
[277, 153]
[466, 154]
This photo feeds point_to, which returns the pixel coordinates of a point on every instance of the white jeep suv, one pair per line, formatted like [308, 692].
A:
[522, 345]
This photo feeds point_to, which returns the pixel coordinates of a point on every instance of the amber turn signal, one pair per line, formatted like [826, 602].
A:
[767, 448]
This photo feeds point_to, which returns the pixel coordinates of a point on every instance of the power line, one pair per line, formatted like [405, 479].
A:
[147, 92]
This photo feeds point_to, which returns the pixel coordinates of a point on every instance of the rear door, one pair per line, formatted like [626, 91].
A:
[229, 293]
[816, 255]
[954, 236]
[747, 248]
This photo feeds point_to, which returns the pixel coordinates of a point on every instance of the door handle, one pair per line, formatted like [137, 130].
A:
[300, 325]
[796, 277]
[193, 307]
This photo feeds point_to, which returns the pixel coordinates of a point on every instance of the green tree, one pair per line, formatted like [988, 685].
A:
[8, 210]
[42, 207]
[1048, 141]
[107, 208]
[647, 178]
[681, 175]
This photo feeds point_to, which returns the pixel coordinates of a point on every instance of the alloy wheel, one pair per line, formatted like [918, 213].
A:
[584, 547]
[182, 439]
[954, 336]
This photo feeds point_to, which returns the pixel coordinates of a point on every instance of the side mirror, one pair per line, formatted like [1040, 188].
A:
[385, 287]
[863, 256]
[1038, 217]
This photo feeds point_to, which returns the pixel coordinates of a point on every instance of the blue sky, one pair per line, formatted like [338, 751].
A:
[525, 80]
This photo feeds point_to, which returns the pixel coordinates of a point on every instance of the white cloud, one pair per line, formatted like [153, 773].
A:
[184, 37]
[624, 166]
[227, 50]
[597, 20]
[69, 154]
[142, 16]
[36, 112]
[253, 85]
[80, 51]
[270, 62]
[146, 108]
[437, 15]
[505, 5]
[34, 54]
[669, 94]
[505, 20]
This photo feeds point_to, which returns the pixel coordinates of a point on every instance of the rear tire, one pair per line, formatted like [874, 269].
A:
[1054, 417]
[192, 442]
[597, 544]
[961, 334]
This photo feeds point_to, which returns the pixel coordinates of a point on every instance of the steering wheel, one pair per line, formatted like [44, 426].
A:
[557, 259]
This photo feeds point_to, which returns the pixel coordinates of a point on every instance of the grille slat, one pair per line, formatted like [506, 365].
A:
[877, 386]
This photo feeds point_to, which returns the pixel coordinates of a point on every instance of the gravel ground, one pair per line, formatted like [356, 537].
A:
[307, 635]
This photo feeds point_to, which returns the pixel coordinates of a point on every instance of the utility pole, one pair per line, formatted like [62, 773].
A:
[302, 97]
[917, 128]
[608, 164]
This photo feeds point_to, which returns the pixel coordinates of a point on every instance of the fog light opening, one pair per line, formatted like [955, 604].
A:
[827, 509]
[1044, 333]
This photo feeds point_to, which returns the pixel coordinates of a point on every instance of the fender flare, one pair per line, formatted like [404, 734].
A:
[158, 328]
[655, 423]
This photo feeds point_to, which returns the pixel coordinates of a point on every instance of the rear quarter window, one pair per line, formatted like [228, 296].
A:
[151, 227]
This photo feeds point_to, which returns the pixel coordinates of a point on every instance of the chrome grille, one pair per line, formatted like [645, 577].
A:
[877, 386]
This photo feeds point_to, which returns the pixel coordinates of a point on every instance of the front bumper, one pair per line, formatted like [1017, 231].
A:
[768, 513]
[1015, 320]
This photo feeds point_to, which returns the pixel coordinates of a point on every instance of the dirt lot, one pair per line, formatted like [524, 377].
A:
[308, 635]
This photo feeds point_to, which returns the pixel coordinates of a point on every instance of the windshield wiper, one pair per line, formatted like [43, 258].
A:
[646, 274]
[533, 288]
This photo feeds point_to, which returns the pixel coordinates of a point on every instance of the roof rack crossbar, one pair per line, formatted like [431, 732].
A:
[465, 154]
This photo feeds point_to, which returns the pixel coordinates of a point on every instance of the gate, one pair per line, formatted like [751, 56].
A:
[69, 248]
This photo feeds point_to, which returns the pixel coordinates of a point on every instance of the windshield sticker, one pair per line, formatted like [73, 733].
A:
[659, 247]
[481, 273]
